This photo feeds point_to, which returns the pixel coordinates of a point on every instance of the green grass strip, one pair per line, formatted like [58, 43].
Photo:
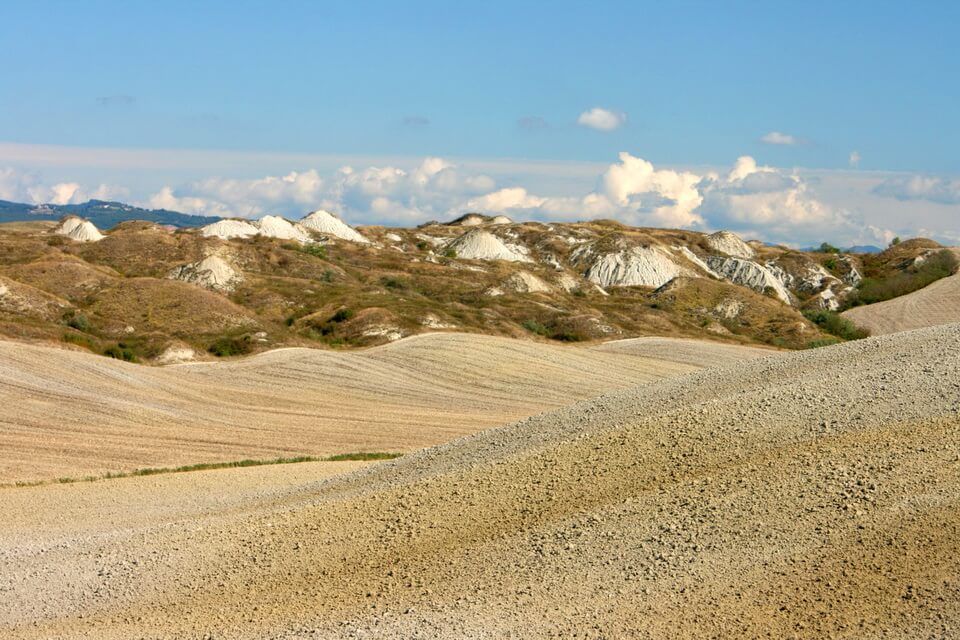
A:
[207, 466]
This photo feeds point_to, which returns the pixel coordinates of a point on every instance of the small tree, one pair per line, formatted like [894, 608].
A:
[895, 241]
[826, 247]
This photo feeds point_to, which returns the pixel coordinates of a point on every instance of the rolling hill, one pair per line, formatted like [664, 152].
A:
[807, 495]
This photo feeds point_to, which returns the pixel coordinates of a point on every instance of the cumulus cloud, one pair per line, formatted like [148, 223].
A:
[854, 159]
[747, 197]
[931, 188]
[631, 190]
[750, 198]
[766, 202]
[602, 119]
[777, 137]
[371, 194]
[24, 186]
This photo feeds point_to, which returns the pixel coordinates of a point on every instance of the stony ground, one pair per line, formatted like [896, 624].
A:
[807, 495]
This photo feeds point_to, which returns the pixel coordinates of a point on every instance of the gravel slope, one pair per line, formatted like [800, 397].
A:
[812, 495]
[69, 413]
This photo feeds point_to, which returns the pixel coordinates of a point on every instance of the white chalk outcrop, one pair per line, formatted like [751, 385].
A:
[328, 224]
[501, 219]
[78, 229]
[282, 229]
[231, 228]
[176, 354]
[477, 244]
[636, 266]
[695, 259]
[212, 273]
[747, 273]
[730, 244]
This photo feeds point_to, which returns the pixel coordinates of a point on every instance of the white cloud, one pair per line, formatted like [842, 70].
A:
[796, 207]
[602, 119]
[760, 201]
[631, 190]
[776, 137]
[930, 188]
[765, 202]
[372, 194]
[25, 186]
[854, 159]
[15, 184]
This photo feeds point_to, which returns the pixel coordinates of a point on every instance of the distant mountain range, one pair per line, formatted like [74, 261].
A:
[101, 213]
[864, 248]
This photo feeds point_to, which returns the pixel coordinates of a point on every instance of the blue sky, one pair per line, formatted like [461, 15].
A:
[688, 85]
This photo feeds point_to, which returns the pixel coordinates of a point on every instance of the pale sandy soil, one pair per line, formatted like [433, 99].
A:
[807, 495]
[69, 413]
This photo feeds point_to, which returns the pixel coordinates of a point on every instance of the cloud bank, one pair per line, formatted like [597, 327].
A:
[929, 188]
[756, 200]
[753, 199]
[25, 186]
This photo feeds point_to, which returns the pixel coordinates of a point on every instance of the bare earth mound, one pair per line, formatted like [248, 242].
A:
[937, 303]
[68, 413]
[811, 495]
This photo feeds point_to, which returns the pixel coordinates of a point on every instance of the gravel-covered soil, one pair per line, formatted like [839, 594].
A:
[812, 494]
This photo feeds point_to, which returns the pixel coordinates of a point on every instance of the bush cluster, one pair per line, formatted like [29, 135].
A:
[121, 351]
[835, 324]
[939, 265]
[230, 346]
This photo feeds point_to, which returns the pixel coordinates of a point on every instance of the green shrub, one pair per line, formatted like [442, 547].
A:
[393, 283]
[315, 250]
[77, 321]
[342, 315]
[423, 245]
[535, 327]
[79, 340]
[568, 336]
[230, 346]
[120, 351]
[835, 324]
[939, 265]
[450, 253]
